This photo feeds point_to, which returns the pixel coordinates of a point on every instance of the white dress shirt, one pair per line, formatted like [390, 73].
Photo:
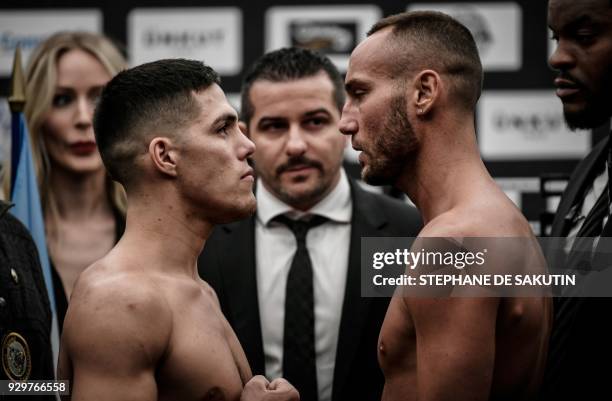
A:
[328, 246]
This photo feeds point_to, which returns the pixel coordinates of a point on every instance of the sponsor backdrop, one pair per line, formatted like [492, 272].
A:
[519, 121]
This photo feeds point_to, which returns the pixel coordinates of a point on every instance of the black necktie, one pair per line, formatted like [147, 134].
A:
[299, 363]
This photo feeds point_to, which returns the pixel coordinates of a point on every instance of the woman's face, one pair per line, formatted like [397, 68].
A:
[67, 129]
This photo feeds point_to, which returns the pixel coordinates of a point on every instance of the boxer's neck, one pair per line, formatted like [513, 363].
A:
[446, 168]
[162, 229]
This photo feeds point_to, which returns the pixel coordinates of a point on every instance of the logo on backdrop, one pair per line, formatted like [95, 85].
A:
[524, 124]
[213, 35]
[185, 39]
[30, 27]
[332, 30]
[330, 38]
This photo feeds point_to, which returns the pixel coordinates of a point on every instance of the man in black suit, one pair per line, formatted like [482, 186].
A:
[288, 279]
[583, 59]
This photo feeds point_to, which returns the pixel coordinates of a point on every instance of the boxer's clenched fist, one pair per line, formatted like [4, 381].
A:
[260, 389]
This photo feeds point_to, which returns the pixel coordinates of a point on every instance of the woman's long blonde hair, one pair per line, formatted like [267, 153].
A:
[41, 80]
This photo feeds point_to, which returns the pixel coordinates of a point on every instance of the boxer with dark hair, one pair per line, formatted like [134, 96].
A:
[412, 88]
[141, 324]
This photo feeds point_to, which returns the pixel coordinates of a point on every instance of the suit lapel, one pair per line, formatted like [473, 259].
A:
[240, 284]
[367, 220]
[576, 187]
[603, 256]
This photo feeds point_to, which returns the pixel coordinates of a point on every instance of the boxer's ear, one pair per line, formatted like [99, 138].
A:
[244, 128]
[163, 155]
[427, 91]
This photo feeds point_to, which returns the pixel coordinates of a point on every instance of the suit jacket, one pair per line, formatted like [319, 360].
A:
[228, 265]
[581, 178]
[580, 343]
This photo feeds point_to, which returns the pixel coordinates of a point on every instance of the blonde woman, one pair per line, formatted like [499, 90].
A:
[84, 209]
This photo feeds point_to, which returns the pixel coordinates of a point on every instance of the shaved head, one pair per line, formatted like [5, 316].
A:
[433, 40]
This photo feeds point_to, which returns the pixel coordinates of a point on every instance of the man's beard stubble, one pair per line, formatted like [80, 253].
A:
[597, 109]
[594, 114]
[393, 147]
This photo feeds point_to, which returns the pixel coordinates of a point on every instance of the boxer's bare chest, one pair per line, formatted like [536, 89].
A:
[397, 353]
[204, 360]
[397, 340]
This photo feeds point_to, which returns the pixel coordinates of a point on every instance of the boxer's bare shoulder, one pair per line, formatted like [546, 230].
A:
[137, 334]
[482, 218]
[116, 331]
[467, 348]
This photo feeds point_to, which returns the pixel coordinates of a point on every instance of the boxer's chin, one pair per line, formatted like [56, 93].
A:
[247, 209]
[376, 176]
[239, 210]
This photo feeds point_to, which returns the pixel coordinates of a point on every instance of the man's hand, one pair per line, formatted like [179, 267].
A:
[260, 389]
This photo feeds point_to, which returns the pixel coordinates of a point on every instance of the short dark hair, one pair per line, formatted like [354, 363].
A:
[441, 43]
[288, 64]
[155, 96]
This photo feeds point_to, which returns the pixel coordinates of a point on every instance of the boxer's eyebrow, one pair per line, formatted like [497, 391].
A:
[225, 118]
[354, 85]
[349, 86]
[353, 82]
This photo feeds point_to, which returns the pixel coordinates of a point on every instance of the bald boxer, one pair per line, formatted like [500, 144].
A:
[412, 89]
[141, 324]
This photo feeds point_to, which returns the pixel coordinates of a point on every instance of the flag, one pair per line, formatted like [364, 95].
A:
[25, 196]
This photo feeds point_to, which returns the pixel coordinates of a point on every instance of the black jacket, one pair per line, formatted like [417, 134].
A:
[25, 316]
[581, 342]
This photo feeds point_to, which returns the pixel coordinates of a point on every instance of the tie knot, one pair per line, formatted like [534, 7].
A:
[300, 228]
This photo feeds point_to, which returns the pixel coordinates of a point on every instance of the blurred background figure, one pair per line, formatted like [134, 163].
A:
[83, 208]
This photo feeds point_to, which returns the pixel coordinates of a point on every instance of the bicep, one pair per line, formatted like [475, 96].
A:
[93, 383]
[455, 347]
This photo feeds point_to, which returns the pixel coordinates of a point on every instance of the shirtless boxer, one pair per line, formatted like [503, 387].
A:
[412, 90]
[141, 324]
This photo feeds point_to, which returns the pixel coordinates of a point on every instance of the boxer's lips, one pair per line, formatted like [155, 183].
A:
[362, 158]
[248, 175]
[361, 155]
[566, 88]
